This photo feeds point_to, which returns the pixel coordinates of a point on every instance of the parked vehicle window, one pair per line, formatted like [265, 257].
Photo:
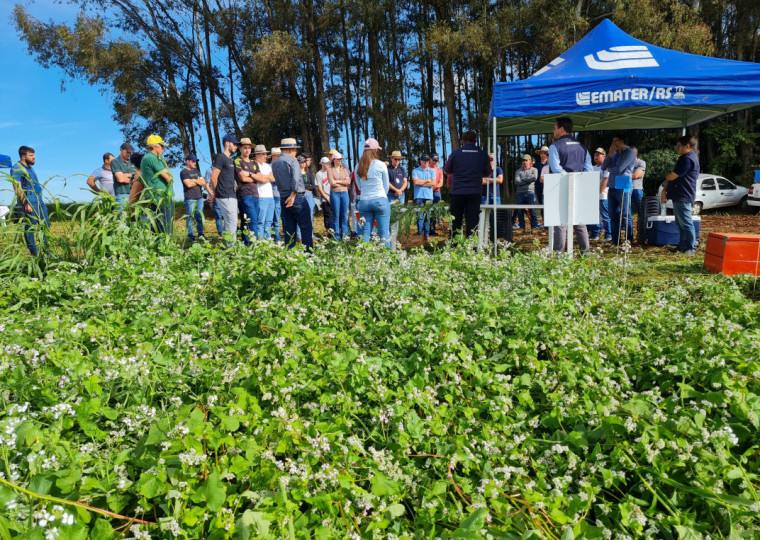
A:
[725, 184]
[708, 185]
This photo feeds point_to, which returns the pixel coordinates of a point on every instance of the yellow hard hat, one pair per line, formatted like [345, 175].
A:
[155, 139]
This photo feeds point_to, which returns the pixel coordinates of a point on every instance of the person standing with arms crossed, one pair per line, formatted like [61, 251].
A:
[566, 154]
[223, 183]
[123, 171]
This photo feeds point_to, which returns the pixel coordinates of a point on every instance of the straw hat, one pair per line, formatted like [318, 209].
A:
[260, 149]
[289, 143]
[245, 140]
[397, 154]
[544, 148]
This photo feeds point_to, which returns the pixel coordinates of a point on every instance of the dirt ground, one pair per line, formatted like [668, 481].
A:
[711, 222]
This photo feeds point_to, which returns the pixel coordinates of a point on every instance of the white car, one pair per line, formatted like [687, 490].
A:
[714, 192]
[753, 198]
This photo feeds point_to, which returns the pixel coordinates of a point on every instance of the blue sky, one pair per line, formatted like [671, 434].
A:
[69, 129]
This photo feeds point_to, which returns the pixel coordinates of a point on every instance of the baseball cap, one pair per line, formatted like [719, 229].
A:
[600, 151]
[526, 157]
[301, 159]
[229, 138]
[126, 146]
[155, 139]
[372, 144]
[324, 160]
[424, 157]
[434, 157]
[337, 155]
[191, 157]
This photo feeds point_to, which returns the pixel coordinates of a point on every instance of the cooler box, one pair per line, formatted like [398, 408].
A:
[730, 254]
[663, 231]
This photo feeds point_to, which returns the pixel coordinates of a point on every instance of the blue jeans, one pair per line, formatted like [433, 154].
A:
[276, 219]
[164, 216]
[309, 196]
[436, 199]
[122, 202]
[250, 206]
[194, 209]
[375, 210]
[218, 217]
[685, 223]
[298, 216]
[339, 204]
[423, 225]
[401, 198]
[636, 196]
[264, 218]
[604, 222]
[527, 198]
[620, 204]
[36, 221]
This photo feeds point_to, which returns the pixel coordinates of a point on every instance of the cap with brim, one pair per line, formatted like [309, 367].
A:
[336, 155]
[332, 151]
[191, 157]
[397, 154]
[301, 159]
[526, 157]
[424, 157]
[245, 140]
[260, 149]
[230, 139]
[600, 151]
[372, 144]
[289, 143]
[543, 149]
[126, 146]
[324, 160]
[154, 140]
[434, 157]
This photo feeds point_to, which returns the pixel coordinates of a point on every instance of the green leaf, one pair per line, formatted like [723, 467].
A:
[257, 520]
[687, 533]
[395, 510]
[214, 492]
[382, 485]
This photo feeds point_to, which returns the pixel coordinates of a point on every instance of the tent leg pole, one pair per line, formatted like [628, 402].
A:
[570, 213]
[493, 175]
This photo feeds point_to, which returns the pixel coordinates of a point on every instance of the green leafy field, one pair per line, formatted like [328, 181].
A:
[260, 393]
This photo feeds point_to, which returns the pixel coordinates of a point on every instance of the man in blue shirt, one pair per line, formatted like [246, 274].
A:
[620, 161]
[467, 166]
[566, 154]
[423, 178]
[29, 193]
[681, 188]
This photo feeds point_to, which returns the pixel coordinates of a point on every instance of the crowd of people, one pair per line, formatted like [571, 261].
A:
[254, 189]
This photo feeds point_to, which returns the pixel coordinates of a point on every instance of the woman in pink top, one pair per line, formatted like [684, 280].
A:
[339, 182]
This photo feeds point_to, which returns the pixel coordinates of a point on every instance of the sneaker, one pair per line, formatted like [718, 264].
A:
[515, 226]
[594, 238]
[607, 239]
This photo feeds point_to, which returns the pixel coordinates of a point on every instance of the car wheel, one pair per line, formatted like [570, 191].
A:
[696, 209]
[743, 204]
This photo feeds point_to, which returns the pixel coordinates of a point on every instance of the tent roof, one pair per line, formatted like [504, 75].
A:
[612, 81]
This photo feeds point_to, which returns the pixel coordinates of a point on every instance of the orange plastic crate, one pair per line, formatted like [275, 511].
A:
[730, 254]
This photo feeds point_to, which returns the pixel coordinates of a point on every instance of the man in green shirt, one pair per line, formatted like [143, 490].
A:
[158, 184]
[123, 171]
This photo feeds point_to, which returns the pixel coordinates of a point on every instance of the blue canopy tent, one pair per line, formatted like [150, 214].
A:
[5, 162]
[612, 81]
